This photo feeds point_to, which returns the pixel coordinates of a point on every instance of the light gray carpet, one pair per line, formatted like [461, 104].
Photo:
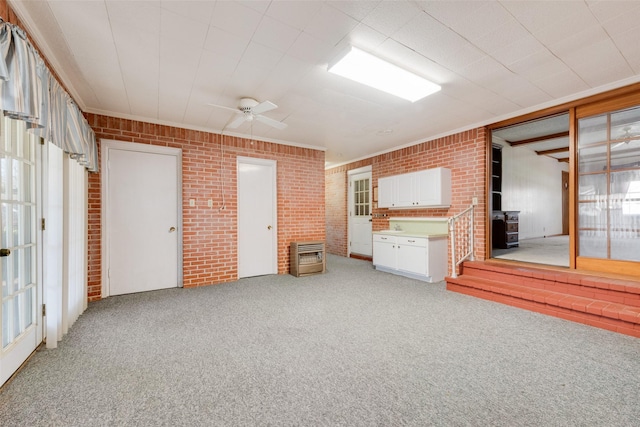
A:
[352, 347]
[553, 250]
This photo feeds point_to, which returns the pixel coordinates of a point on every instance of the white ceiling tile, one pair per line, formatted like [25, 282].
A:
[365, 37]
[536, 16]
[598, 76]
[539, 64]
[225, 43]
[110, 99]
[587, 37]
[577, 19]
[628, 44]
[275, 34]
[145, 16]
[258, 5]
[261, 55]
[414, 62]
[74, 20]
[310, 49]
[606, 10]
[214, 69]
[283, 77]
[294, 13]
[185, 30]
[389, 16]
[330, 25]
[475, 24]
[583, 60]
[358, 10]
[437, 42]
[624, 22]
[201, 11]
[236, 19]
[520, 91]
[486, 72]
[246, 79]
[143, 93]
[109, 76]
[98, 42]
[561, 84]
[517, 50]
[449, 11]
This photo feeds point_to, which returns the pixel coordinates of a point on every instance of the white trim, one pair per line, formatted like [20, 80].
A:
[360, 170]
[350, 174]
[274, 174]
[109, 144]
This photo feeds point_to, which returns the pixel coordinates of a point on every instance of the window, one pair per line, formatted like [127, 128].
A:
[361, 197]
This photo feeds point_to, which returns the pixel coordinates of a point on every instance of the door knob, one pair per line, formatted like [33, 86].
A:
[268, 227]
[172, 229]
[5, 252]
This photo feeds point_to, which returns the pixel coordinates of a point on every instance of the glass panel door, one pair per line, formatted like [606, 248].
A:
[609, 185]
[18, 240]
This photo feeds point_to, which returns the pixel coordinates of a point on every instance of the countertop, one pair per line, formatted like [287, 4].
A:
[402, 233]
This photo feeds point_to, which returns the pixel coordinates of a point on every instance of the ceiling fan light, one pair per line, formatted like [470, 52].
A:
[367, 69]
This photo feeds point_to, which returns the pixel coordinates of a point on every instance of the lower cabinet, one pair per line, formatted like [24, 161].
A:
[422, 258]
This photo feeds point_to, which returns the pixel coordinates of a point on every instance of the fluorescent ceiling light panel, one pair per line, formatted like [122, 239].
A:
[367, 69]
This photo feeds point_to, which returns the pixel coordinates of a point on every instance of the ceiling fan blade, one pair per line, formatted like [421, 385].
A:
[274, 123]
[237, 122]
[235, 110]
[263, 107]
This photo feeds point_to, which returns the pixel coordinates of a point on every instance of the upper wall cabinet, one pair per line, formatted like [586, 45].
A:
[429, 188]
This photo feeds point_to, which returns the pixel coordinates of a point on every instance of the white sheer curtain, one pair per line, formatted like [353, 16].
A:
[53, 243]
[75, 243]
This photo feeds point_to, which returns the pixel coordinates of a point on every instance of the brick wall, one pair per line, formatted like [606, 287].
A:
[464, 153]
[209, 240]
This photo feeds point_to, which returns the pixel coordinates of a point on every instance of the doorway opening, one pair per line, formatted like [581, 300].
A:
[530, 191]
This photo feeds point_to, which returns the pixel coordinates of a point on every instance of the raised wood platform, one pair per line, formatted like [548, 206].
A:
[607, 302]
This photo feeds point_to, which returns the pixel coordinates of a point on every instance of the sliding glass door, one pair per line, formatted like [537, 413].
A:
[609, 186]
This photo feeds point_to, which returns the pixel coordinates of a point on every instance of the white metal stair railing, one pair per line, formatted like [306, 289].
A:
[461, 238]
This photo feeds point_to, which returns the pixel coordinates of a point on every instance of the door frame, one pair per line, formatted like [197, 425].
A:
[273, 164]
[350, 173]
[105, 146]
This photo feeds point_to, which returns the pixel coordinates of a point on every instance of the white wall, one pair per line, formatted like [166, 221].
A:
[532, 184]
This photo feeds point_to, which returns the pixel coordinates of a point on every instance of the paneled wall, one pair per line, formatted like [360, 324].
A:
[464, 153]
[208, 170]
[532, 184]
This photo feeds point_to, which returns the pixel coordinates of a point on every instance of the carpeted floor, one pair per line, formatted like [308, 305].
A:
[352, 347]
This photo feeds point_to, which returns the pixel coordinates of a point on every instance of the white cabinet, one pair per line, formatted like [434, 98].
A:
[422, 258]
[384, 251]
[386, 191]
[429, 188]
[432, 187]
[412, 254]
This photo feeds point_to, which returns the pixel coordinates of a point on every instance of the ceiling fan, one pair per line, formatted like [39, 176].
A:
[250, 109]
[626, 137]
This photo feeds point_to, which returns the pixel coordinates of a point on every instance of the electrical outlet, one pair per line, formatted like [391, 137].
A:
[192, 202]
[210, 203]
[474, 201]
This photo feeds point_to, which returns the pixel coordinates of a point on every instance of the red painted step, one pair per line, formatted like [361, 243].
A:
[605, 302]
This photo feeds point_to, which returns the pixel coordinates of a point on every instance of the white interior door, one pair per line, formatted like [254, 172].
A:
[360, 214]
[257, 213]
[142, 217]
[20, 333]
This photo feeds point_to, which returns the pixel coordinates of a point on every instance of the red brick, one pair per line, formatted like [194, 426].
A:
[209, 244]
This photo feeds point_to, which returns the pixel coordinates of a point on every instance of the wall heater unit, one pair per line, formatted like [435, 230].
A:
[307, 258]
